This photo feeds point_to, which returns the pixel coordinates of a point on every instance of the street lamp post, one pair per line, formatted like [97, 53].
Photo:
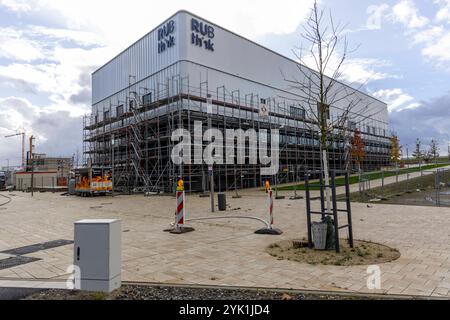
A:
[209, 111]
[7, 173]
[32, 165]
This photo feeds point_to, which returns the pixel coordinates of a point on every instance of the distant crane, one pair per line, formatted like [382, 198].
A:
[23, 146]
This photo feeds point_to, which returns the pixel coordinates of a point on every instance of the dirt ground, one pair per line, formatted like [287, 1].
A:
[363, 253]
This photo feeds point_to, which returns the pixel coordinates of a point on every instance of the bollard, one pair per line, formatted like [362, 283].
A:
[270, 230]
[180, 211]
[222, 201]
[179, 215]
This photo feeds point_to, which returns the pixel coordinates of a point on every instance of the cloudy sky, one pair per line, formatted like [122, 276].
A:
[48, 49]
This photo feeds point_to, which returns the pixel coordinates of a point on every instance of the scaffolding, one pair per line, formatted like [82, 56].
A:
[134, 137]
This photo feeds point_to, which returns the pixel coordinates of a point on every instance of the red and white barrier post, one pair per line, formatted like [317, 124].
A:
[180, 212]
[270, 230]
[270, 200]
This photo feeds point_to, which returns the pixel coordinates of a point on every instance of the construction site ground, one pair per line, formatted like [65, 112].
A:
[224, 252]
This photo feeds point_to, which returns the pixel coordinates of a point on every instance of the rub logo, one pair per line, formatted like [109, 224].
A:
[165, 36]
[202, 35]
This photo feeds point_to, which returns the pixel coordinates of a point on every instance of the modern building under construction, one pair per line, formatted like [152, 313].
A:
[189, 70]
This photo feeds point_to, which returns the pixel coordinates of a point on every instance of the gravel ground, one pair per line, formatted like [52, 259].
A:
[133, 292]
[16, 293]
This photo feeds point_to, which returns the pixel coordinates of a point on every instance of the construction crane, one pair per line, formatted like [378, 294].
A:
[23, 146]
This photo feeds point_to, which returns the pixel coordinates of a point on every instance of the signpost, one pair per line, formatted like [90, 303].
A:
[209, 110]
[211, 179]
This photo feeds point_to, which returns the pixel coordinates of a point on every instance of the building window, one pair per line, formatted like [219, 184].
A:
[120, 111]
[297, 112]
[147, 99]
[106, 115]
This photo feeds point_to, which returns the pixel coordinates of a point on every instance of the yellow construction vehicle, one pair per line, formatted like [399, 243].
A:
[93, 181]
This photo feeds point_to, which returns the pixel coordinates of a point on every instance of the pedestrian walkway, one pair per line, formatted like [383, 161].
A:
[226, 252]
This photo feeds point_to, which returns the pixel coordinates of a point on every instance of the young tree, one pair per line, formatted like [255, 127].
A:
[434, 150]
[396, 150]
[418, 154]
[358, 149]
[319, 85]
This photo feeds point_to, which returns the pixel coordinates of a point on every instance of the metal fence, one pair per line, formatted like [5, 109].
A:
[423, 187]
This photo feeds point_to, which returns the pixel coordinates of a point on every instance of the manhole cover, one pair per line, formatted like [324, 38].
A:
[38, 247]
[15, 261]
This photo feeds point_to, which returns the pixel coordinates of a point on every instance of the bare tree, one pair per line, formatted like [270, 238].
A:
[434, 150]
[418, 153]
[333, 108]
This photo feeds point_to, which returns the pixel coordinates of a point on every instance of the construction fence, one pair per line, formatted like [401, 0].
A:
[423, 187]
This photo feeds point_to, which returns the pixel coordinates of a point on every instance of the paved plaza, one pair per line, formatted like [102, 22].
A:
[225, 252]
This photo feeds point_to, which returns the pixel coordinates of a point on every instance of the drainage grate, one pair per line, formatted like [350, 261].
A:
[38, 247]
[16, 261]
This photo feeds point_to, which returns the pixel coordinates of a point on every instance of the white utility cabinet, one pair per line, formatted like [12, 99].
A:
[97, 253]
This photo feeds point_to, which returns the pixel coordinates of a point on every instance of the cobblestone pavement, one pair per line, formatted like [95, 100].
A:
[227, 252]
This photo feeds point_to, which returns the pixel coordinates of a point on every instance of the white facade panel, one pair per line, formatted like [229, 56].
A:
[238, 63]
[140, 61]
[232, 61]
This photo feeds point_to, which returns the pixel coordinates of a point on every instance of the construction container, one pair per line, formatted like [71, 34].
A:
[93, 181]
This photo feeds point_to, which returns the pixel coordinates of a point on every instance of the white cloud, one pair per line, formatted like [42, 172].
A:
[431, 34]
[82, 38]
[19, 114]
[364, 70]
[428, 35]
[396, 99]
[436, 39]
[407, 13]
[439, 50]
[43, 61]
[16, 5]
[123, 23]
[355, 71]
[443, 15]
[95, 34]
[14, 46]
[376, 13]
[413, 106]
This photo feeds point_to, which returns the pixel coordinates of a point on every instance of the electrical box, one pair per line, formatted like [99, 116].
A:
[97, 254]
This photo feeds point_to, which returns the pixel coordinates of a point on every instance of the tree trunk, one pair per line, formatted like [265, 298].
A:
[327, 179]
